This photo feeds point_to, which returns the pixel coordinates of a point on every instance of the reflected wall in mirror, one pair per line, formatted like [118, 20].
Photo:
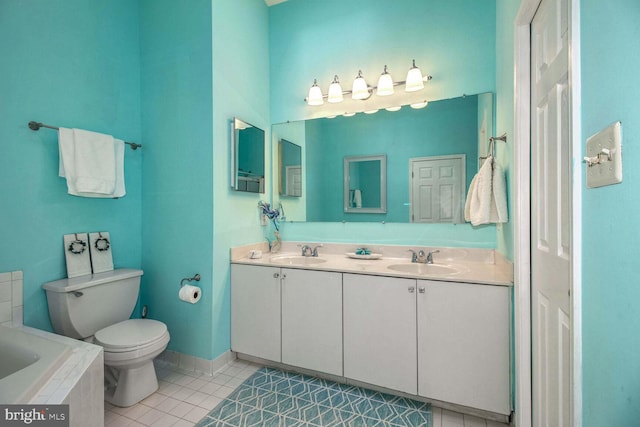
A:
[289, 169]
[365, 184]
[459, 126]
[247, 157]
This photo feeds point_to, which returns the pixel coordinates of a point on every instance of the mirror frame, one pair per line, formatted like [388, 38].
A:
[383, 184]
[235, 142]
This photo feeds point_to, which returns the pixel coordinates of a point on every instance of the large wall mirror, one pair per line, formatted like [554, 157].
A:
[451, 134]
[247, 157]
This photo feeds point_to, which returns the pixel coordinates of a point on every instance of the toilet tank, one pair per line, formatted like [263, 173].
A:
[81, 306]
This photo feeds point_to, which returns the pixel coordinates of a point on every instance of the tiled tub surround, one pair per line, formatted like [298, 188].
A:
[76, 379]
[11, 298]
[481, 266]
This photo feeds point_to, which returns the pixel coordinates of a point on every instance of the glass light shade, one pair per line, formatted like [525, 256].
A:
[385, 84]
[335, 91]
[393, 108]
[349, 114]
[360, 89]
[371, 111]
[315, 95]
[418, 105]
[414, 80]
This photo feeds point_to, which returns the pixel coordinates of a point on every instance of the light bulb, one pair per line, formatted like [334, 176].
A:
[385, 84]
[335, 91]
[360, 89]
[418, 105]
[315, 94]
[414, 79]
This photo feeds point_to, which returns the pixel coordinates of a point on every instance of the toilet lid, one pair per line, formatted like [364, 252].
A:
[131, 333]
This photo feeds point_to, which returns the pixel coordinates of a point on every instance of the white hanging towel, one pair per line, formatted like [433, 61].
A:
[92, 163]
[357, 198]
[487, 198]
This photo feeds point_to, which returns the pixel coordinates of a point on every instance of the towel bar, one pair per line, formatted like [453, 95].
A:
[37, 125]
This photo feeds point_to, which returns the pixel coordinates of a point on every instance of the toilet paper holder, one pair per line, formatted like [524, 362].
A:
[189, 279]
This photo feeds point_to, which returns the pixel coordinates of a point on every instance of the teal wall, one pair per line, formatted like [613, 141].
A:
[240, 89]
[454, 41]
[177, 201]
[610, 41]
[70, 63]
[506, 11]
[442, 128]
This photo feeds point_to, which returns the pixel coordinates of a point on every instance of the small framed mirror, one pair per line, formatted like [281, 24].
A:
[247, 157]
[365, 184]
[290, 169]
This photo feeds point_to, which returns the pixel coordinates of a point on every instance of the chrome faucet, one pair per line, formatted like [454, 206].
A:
[430, 256]
[421, 257]
[308, 251]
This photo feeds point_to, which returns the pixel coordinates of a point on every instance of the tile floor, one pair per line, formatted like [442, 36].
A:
[185, 398]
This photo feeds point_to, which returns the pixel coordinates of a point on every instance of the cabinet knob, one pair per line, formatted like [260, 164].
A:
[284, 275]
[421, 289]
[276, 275]
[412, 290]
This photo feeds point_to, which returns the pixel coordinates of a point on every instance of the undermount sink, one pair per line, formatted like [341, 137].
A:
[297, 260]
[419, 268]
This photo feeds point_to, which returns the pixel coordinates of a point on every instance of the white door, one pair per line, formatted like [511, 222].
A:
[380, 344]
[312, 320]
[550, 216]
[437, 188]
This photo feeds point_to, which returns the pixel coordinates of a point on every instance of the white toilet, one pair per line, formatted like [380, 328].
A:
[96, 308]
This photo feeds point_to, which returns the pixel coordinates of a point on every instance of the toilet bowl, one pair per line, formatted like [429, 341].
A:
[97, 308]
[129, 349]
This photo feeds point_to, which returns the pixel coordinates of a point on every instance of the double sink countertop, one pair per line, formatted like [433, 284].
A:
[466, 265]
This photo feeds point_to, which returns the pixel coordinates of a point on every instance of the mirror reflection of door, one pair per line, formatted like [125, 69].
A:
[437, 189]
[290, 169]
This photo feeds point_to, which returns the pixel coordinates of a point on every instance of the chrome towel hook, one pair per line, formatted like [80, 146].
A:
[189, 279]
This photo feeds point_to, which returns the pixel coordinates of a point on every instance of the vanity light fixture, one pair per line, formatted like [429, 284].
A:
[385, 84]
[351, 114]
[335, 91]
[360, 90]
[371, 111]
[315, 94]
[414, 79]
[397, 108]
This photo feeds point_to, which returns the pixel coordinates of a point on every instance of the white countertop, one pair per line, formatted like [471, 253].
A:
[481, 266]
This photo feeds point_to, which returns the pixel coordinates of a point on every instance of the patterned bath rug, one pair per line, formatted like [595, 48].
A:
[271, 397]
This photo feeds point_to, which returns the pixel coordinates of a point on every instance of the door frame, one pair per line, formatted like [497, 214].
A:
[522, 207]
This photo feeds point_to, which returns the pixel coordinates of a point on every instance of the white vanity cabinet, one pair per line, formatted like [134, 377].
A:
[255, 311]
[312, 320]
[380, 331]
[463, 344]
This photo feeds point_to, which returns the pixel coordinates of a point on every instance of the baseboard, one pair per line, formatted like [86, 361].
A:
[190, 363]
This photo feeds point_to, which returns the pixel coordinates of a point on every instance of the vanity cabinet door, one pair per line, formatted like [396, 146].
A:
[255, 311]
[312, 320]
[380, 331]
[463, 344]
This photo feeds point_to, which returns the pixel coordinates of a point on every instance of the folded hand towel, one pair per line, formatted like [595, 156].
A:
[487, 198]
[110, 167]
[95, 167]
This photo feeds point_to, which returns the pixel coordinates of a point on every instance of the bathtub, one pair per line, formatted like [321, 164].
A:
[26, 363]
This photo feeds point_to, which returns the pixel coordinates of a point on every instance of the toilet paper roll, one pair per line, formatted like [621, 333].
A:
[191, 294]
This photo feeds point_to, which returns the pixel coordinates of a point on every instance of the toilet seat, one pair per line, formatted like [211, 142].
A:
[133, 335]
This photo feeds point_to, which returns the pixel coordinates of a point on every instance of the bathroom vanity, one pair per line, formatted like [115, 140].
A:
[439, 332]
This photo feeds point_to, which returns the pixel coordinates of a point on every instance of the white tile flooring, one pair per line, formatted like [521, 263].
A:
[186, 397]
